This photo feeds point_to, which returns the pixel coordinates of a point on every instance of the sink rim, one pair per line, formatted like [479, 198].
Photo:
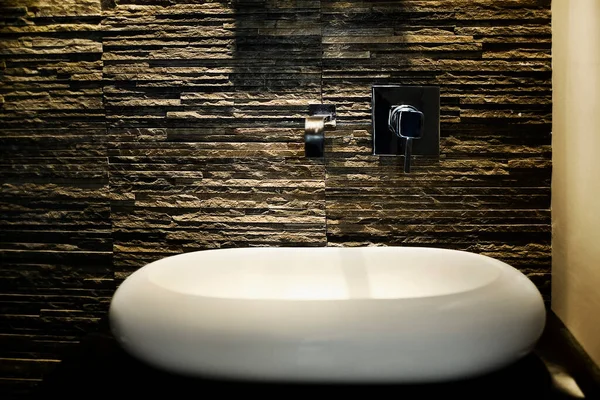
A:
[331, 274]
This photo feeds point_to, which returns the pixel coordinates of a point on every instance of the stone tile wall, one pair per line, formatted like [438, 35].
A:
[133, 130]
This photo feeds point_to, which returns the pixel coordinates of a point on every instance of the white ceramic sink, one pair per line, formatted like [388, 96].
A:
[372, 314]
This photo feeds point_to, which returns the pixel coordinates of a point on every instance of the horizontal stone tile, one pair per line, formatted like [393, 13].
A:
[511, 30]
[23, 367]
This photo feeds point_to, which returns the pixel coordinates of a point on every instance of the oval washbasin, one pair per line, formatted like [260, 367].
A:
[368, 314]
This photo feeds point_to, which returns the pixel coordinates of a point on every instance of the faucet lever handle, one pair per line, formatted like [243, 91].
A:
[407, 153]
[406, 122]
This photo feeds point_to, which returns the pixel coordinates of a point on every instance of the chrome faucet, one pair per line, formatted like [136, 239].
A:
[321, 116]
[406, 122]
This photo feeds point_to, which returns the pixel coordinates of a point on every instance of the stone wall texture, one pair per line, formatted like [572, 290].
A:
[133, 130]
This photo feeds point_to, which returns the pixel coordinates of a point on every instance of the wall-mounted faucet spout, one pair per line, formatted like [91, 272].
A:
[320, 116]
[407, 123]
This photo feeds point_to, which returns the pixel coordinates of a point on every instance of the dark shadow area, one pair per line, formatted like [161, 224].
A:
[101, 369]
[277, 63]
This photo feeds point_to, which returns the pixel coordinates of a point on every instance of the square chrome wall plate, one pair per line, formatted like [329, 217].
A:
[425, 99]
